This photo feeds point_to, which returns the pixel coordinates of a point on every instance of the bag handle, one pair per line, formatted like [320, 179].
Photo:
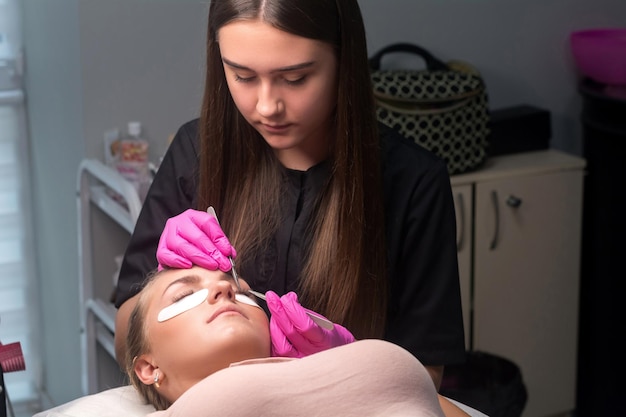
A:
[432, 63]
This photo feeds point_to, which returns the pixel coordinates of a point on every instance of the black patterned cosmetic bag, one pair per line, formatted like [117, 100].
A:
[443, 107]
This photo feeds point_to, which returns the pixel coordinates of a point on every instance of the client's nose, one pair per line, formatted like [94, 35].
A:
[219, 290]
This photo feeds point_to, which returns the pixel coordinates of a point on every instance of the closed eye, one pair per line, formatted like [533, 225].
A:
[181, 295]
[296, 82]
[187, 302]
[241, 79]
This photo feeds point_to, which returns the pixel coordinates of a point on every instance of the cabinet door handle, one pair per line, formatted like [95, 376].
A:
[460, 240]
[496, 212]
[511, 201]
[514, 201]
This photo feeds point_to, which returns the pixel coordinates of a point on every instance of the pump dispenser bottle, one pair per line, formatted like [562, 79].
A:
[133, 159]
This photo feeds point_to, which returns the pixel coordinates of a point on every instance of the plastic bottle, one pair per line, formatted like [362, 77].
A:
[133, 162]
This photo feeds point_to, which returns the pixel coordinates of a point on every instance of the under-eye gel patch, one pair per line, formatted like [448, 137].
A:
[245, 299]
[184, 304]
[193, 300]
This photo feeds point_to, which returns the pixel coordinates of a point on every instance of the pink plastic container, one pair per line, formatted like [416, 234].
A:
[600, 54]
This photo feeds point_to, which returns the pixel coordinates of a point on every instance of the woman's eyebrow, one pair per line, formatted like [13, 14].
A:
[288, 68]
[187, 279]
[195, 279]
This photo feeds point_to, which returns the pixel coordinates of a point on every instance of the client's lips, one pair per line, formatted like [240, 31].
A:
[225, 309]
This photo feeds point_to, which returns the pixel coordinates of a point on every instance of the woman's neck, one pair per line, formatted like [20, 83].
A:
[298, 162]
[303, 158]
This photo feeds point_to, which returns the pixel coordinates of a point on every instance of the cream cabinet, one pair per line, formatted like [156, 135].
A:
[519, 238]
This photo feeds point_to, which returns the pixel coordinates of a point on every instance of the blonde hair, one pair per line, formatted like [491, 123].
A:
[137, 344]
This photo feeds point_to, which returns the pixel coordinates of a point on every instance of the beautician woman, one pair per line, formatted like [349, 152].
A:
[314, 194]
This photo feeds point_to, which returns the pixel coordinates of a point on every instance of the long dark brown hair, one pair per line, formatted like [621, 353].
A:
[344, 276]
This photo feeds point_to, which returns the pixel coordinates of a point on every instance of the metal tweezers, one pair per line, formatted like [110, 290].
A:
[211, 211]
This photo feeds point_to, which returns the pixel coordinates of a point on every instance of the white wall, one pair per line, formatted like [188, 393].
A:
[94, 64]
[521, 47]
[141, 60]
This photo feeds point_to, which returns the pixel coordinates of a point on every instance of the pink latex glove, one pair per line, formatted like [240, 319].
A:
[194, 238]
[294, 334]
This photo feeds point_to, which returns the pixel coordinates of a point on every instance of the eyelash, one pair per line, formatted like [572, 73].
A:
[246, 293]
[243, 80]
[187, 293]
[297, 82]
[292, 83]
[182, 295]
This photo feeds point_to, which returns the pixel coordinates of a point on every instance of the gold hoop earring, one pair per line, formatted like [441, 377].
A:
[156, 380]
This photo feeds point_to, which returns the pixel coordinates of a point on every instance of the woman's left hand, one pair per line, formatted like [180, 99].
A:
[294, 334]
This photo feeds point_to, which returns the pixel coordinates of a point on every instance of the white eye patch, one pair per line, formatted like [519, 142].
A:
[244, 299]
[184, 304]
[194, 300]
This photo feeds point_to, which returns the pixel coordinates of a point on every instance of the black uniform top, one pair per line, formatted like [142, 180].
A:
[424, 308]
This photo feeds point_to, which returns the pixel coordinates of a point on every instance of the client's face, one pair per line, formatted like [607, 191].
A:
[197, 324]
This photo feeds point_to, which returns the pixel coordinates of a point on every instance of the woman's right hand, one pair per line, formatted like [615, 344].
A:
[194, 238]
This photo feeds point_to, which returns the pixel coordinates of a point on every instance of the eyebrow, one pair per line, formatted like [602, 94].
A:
[187, 279]
[194, 279]
[289, 68]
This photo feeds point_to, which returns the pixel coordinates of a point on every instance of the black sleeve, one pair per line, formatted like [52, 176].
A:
[425, 315]
[172, 191]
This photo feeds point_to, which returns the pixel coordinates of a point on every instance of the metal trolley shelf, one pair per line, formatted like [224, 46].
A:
[100, 186]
